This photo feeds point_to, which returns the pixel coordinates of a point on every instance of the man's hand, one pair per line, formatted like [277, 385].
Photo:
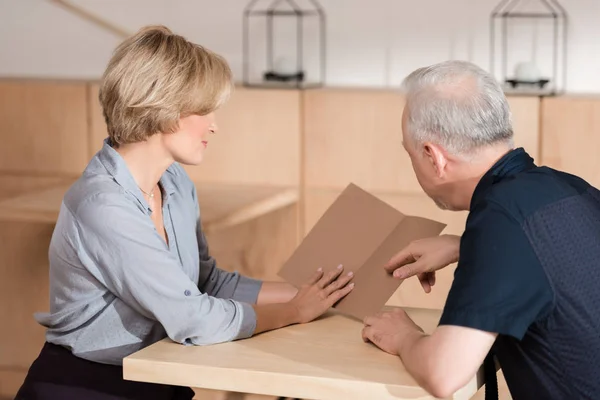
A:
[424, 257]
[442, 362]
[388, 330]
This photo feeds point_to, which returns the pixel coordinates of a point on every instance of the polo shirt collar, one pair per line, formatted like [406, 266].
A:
[117, 168]
[512, 163]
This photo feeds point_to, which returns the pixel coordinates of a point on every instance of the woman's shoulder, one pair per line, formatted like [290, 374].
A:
[91, 192]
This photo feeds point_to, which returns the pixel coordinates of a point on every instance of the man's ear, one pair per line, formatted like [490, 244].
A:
[437, 158]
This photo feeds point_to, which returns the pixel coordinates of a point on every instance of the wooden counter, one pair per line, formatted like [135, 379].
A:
[325, 359]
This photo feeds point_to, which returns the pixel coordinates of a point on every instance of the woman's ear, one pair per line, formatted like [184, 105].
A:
[437, 158]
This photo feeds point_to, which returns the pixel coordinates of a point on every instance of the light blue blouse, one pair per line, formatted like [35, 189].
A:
[116, 286]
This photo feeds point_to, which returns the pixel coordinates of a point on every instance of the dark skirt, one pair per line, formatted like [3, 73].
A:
[58, 374]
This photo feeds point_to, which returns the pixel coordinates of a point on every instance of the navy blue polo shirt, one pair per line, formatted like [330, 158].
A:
[529, 270]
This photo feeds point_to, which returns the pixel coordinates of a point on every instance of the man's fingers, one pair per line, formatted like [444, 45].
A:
[370, 335]
[412, 269]
[405, 271]
[372, 319]
[365, 337]
[401, 258]
[424, 279]
[431, 278]
[330, 276]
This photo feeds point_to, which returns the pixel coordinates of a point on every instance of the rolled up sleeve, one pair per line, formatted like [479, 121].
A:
[119, 245]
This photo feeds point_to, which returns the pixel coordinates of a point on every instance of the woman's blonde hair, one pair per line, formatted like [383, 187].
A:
[156, 77]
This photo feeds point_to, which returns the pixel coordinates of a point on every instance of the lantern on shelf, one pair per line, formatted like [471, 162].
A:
[289, 48]
[530, 38]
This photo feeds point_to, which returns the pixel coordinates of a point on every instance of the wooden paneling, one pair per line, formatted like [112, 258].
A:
[221, 205]
[258, 141]
[39, 206]
[24, 291]
[571, 136]
[526, 123]
[355, 135]
[97, 124]
[410, 293]
[44, 127]
[17, 185]
[11, 380]
[257, 248]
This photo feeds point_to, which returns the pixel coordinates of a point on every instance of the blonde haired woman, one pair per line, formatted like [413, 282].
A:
[129, 264]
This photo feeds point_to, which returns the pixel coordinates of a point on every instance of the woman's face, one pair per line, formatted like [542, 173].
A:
[189, 142]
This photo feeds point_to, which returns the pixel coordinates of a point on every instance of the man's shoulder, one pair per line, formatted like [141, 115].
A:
[526, 193]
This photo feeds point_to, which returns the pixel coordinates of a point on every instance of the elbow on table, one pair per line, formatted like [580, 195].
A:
[439, 391]
[197, 333]
[441, 386]
[197, 340]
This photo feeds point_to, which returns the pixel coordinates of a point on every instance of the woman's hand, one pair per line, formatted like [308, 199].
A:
[320, 293]
[424, 257]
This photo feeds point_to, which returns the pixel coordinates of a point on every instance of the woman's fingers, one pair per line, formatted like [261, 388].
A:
[330, 277]
[339, 283]
[339, 294]
[315, 277]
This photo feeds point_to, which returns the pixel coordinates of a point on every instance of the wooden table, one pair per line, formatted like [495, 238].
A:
[325, 359]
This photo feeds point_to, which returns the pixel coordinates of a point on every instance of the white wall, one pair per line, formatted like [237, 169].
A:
[370, 42]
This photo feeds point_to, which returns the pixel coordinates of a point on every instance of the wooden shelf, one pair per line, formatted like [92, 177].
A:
[39, 206]
[225, 205]
[221, 205]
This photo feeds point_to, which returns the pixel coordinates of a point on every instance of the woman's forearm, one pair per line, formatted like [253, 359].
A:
[275, 316]
[276, 292]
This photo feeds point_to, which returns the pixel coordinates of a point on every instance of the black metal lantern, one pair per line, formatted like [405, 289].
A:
[293, 49]
[541, 67]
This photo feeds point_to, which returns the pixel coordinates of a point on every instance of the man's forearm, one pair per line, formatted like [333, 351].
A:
[417, 357]
[443, 362]
[276, 292]
[274, 316]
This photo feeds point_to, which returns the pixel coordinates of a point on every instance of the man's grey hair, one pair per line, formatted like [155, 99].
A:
[457, 105]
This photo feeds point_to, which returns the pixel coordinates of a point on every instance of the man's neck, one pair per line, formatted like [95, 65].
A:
[472, 170]
[147, 161]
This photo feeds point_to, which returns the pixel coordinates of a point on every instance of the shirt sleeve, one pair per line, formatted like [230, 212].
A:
[499, 284]
[119, 245]
[217, 282]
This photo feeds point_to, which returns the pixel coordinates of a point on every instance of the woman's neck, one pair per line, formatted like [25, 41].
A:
[147, 161]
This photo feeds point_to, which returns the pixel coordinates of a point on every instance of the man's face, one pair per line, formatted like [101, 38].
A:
[426, 163]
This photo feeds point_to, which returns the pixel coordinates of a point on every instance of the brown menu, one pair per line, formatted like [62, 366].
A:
[362, 233]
